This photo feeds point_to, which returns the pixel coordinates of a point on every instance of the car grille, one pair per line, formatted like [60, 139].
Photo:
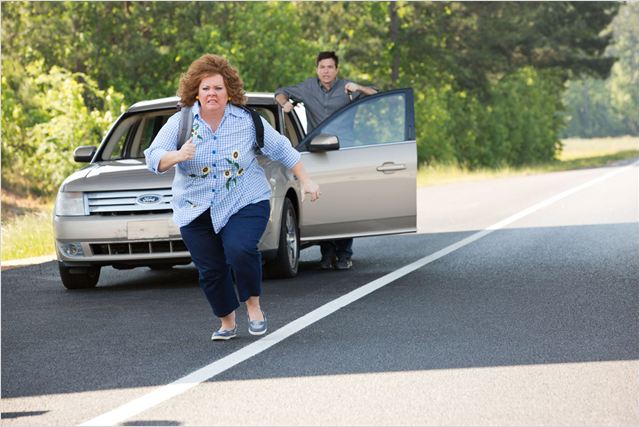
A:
[136, 202]
[133, 248]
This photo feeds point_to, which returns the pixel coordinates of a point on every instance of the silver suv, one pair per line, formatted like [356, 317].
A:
[115, 212]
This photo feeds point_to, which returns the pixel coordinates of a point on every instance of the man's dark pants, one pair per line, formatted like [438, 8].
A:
[340, 248]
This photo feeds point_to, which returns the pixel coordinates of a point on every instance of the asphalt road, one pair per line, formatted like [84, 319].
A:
[531, 322]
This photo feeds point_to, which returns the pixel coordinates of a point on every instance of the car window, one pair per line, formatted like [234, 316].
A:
[124, 132]
[301, 115]
[134, 134]
[290, 130]
[268, 115]
[148, 129]
[375, 120]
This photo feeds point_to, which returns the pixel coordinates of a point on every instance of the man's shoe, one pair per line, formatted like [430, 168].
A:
[344, 264]
[224, 334]
[326, 263]
[258, 327]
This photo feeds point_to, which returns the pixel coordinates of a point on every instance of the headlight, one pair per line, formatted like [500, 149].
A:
[70, 204]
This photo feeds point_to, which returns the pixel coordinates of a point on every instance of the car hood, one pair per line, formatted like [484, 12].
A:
[129, 174]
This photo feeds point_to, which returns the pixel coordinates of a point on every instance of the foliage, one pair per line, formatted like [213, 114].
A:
[526, 125]
[518, 125]
[266, 59]
[597, 107]
[69, 110]
[486, 75]
[623, 83]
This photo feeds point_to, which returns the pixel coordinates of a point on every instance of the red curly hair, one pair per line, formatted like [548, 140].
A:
[210, 65]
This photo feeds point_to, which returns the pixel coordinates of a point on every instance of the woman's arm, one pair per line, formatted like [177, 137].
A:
[277, 147]
[172, 158]
[307, 186]
[163, 154]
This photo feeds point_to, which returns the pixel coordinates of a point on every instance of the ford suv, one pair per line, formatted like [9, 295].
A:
[115, 212]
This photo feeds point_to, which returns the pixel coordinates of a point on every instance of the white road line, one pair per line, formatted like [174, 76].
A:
[187, 382]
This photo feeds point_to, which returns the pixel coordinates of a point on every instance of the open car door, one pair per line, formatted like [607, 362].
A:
[367, 179]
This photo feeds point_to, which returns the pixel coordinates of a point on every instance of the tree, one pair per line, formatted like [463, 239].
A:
[40, 132]
[599, 107]
[466, 61]
[623, 82]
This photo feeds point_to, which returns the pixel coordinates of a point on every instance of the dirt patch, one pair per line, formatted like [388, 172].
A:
[14, 204]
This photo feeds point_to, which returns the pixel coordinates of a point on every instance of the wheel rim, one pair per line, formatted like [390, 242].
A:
[292, 239]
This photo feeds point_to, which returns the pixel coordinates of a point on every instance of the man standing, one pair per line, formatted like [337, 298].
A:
[322, 96]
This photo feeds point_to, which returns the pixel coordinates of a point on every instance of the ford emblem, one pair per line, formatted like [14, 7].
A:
[148, 199]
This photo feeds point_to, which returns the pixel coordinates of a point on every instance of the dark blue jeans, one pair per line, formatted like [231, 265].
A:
[232, 253]
[340, 248]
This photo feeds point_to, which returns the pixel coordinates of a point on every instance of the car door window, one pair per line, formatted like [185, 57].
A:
[290, 130]
[372, 121]
[268, 115]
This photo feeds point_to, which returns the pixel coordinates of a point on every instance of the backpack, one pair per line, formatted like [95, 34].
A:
[186, 121]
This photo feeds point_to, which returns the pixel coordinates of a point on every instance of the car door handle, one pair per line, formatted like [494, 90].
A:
[389, 167]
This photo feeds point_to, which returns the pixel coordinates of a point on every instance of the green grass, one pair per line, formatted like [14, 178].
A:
[576, 154]
[30, 234]
[576, 148]
[27, 236]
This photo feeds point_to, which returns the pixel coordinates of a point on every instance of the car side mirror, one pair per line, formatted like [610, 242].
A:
[324, 142]
[84, 154]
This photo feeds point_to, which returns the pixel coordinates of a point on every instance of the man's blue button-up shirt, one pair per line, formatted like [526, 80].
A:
[224, 175]
[319, 102]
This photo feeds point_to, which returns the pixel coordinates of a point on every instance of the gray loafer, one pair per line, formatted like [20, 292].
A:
[258, 327]
[224, 334]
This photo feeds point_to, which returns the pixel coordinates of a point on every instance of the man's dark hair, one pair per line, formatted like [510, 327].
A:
[327, 55]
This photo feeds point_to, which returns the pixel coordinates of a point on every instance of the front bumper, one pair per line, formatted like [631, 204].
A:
[113, 240]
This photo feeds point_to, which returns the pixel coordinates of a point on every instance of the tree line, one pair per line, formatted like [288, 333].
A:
[609, 107]
[489, 77]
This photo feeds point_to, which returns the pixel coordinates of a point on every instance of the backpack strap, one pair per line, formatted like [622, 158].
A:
[186, 122]
[257, 124]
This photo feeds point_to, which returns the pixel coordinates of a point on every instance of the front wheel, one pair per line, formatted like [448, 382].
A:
[285, 264]
[79, 277]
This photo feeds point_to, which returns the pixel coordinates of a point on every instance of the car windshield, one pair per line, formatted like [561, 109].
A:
[135, 133]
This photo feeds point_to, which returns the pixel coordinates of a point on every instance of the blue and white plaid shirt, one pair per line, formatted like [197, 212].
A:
[224, 175]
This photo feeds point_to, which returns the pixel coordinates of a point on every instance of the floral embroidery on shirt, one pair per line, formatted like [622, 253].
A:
[192, 195]
[204, 171]
[235, 172]
[194, 131]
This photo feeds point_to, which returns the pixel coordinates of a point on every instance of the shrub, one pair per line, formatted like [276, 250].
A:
[518, 125]
[47, 115]
[526, 120]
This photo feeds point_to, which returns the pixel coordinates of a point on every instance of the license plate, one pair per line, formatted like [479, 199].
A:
[143, 230]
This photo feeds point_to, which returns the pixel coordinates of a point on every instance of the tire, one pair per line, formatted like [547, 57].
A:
[79, 277]
[285, 264]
